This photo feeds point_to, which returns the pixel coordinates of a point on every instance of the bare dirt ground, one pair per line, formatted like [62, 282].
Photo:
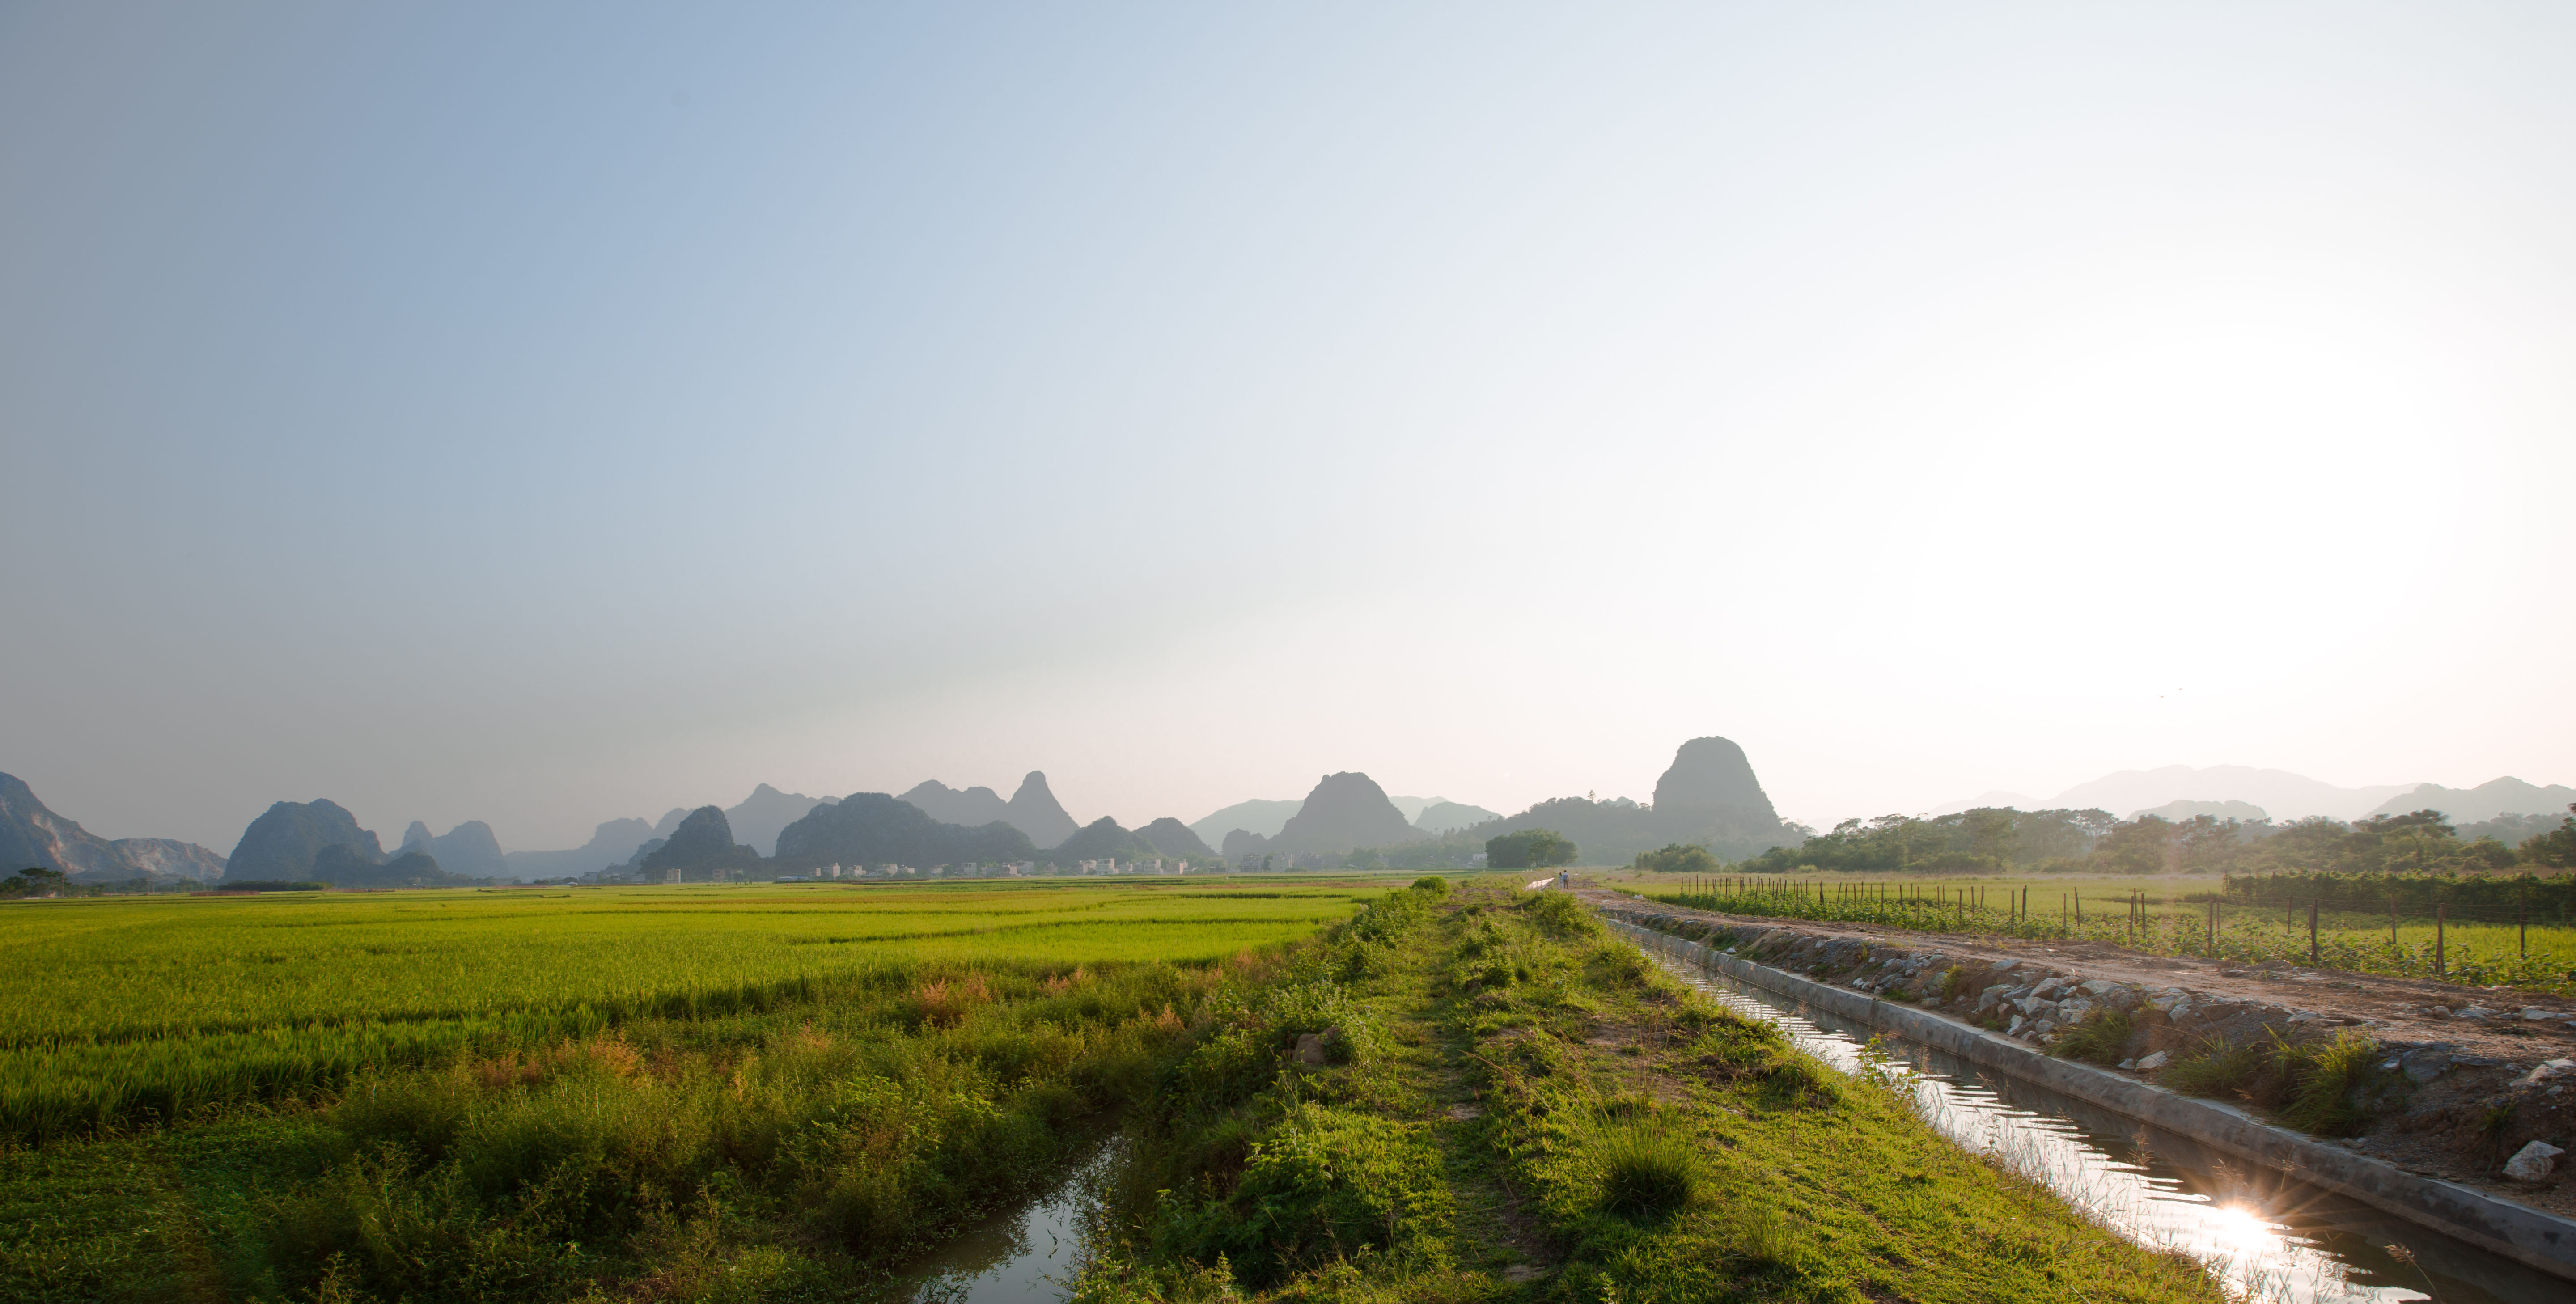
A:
[2459, 1122]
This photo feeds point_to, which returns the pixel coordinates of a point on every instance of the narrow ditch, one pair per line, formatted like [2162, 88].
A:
[1026, 1254]
[2268, 1237]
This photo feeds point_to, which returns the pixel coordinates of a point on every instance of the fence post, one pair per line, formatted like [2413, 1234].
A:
[2522, 920]
[2441, 916]
[2213, 930]
[2312, 930]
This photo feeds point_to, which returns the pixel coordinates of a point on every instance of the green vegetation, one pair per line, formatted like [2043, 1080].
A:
[676, 1093]
[130, 1010]
[2098, 1038]
[1996, 841]
[1532, 1110]
[1528, 849]
[2329, 1088]
[2529, 943]
[35, 880]
[1677, 858]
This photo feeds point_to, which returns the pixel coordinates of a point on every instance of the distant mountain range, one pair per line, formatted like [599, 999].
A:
[2488, 800]
[2283, 796]
[1032, 810]
[1264, 819]
[33, 837]
[468, 849]
[1708, 796]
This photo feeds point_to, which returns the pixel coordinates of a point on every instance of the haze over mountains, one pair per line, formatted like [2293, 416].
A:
[2280, 796]
[1708, 795]
[31, 835]
[1266, 818]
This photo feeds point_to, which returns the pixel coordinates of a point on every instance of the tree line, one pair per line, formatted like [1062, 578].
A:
[1999, 840]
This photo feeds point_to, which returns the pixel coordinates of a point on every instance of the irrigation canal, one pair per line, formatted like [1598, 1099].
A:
[2268, 1237]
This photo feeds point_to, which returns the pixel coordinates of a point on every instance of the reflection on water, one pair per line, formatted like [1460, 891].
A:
[1025, 1256]
[2265, 1236]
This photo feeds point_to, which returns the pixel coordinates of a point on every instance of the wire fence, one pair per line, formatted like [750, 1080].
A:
[2523, 939]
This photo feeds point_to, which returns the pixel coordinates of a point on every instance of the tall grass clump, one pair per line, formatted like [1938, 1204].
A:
[2100, 1037]
[2329, 1088]
[1646, 1170]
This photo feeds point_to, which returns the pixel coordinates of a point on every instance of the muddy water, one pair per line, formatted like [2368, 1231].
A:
[1026, 1255]
[2266, 1237]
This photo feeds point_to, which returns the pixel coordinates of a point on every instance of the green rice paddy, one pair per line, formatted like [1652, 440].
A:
[134, 1009]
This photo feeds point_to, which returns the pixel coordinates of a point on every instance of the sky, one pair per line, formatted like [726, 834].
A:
[547, 414]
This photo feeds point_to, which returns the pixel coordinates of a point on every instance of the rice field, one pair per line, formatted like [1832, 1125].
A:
[126, 1009]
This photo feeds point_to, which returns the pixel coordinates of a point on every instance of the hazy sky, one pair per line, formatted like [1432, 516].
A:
[542, 414]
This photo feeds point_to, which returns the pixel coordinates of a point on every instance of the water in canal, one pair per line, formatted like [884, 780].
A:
[2268, 1238]
[1024, 1256]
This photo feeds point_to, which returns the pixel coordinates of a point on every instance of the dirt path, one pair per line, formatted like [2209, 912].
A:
[2478, 1088]
[1495, 1231]
[2396, 1009]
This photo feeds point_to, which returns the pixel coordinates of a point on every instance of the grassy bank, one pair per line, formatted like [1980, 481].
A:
[1511, 1105]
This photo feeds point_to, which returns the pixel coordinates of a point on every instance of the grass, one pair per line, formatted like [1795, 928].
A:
[2541, 958]
[2099, 1037]
[1645, 1171]
[851, 1078]
[2329, 1088]
[130, 1010]
[1600, 1131]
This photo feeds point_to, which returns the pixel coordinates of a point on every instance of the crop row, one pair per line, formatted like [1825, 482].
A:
[2540, 957]
[157, 1010]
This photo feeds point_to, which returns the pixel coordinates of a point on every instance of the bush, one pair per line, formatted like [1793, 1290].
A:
[1321, 1185]
[1560, 916]
[2100, 1037]
[2314, 1085]
[1529, 849]
[1433, 884]
[1678, 858]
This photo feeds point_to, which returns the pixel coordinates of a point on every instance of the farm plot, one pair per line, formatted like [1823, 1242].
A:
[2470, 930]
[128, 1009]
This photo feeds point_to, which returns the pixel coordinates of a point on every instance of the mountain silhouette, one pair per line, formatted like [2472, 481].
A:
[875, 828]
[2488, 800]
[1101, 839]
[701, 850]
[280, 845]
[468, 850]
[1260, 818]
[1344, 812]
[614, 842]
[32, 836]
[1036, 812]
[1170, 837]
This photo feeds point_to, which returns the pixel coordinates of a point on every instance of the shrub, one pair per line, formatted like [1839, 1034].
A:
[1679, 858]
[2218, 1068]
[2323, 1080]
[1320, 1186]
[2101, 1037]
[1529, 849]
[2314, 1085]
[1560, 916]
[1433, 884]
